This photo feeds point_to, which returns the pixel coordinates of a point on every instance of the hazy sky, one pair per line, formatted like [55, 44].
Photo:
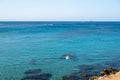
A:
[60, 10]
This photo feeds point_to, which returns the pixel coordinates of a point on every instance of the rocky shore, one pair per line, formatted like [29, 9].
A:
[115, 76]
[107, 74]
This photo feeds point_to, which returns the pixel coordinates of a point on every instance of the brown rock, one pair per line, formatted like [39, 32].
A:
[85, 75]
[108, 71]
[112, 71]
[94, 77]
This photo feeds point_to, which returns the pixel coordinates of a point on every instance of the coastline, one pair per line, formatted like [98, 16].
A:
[115, 76]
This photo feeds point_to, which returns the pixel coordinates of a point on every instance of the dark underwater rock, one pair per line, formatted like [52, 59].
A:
[85, 72]
[45, 76]
[89, 69]
[78, 75]
[71, 77]
[75, 77]
[86, 67]
[34, 71]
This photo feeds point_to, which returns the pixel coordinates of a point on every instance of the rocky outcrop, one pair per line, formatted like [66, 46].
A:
[106, 74]
[108, 71]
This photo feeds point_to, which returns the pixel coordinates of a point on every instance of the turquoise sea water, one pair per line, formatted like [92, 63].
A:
[39, 45]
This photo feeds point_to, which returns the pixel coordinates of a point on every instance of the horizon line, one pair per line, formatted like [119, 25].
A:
[61, 21]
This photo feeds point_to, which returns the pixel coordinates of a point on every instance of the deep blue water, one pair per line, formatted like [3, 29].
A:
[39, 45]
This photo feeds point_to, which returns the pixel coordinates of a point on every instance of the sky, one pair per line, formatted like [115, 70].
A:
[59, 10]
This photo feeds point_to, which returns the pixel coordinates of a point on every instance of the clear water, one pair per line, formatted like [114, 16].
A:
[39, 45]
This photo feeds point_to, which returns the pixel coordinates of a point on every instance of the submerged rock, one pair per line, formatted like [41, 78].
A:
[75, 77]
[86, 67]
[71, 77]
[45, 76]
[89, 69]
[85, 72]
[34, 71]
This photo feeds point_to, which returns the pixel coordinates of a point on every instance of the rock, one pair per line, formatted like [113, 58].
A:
[34, 71]
[67, 56]
[108, 71]
[45, 76]
[85, 75]
[104, 72]
[112, 71]
[93, 77]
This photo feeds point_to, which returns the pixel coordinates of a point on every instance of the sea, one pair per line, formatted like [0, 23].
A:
[28, 46]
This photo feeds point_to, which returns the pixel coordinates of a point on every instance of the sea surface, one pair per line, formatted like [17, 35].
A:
[39, 45]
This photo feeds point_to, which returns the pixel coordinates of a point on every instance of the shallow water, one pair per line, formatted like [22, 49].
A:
[39, 45]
